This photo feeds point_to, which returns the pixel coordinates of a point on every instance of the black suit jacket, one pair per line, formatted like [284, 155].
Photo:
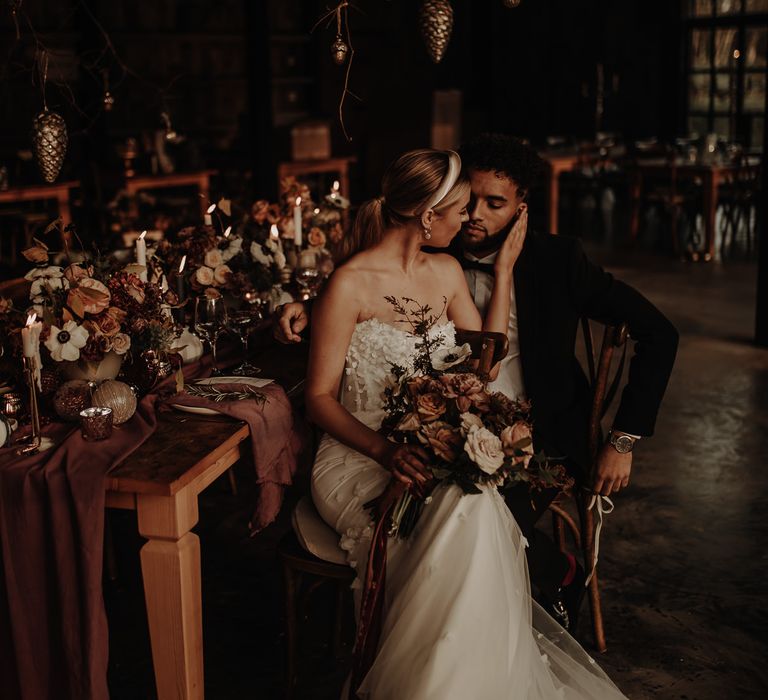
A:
[556, 285]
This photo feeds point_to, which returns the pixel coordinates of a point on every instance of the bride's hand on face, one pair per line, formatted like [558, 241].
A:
[406, 462]
[513, 245]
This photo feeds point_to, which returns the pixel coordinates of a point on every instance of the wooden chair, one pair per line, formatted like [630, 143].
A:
[326, 564]
[603, 392]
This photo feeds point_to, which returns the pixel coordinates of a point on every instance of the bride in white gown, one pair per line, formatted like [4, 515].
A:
[458, 622]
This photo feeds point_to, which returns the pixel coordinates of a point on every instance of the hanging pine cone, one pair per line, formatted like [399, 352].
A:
[436, 23]
[49, 138]
[339, 50]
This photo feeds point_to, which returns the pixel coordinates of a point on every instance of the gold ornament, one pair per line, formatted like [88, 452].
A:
[49, 138]
[510, 3]
[436, 23]
[339, 50]
[119, 397]
[71, 398]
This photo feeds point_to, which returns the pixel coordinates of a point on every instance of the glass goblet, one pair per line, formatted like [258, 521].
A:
[241, 323]
[210, 321]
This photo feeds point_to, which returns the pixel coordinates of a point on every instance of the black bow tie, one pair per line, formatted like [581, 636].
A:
[476, 265]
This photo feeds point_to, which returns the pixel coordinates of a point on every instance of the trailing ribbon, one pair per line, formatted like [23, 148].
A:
[604, 506]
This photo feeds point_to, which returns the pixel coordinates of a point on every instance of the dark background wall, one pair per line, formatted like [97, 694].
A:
[220, 70]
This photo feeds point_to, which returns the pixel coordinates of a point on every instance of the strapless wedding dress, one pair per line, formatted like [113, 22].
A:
[459, 622]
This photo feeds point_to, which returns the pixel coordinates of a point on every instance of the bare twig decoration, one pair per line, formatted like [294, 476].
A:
[339, 50]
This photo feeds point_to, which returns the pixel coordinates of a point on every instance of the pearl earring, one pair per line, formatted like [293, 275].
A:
[427, 233]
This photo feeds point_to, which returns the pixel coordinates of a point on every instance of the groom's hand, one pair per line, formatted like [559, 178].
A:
[291, 319]
[612, 472]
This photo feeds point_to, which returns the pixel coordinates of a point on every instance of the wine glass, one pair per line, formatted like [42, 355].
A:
[241, 322]
[210, 320]
[308, 276]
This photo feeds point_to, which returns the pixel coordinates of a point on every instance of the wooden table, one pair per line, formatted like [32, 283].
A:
[556, 163]
[332, 166]
[31, 193]
[200, 179]
[711, 177]
[161, 481]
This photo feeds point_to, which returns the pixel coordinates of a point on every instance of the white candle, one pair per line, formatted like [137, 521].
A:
[297, 223]
[227, 231]
[335, 189]
[141, 255]
[30, 336]
[208, 218]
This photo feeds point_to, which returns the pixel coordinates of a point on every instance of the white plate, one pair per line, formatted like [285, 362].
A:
[201, 410]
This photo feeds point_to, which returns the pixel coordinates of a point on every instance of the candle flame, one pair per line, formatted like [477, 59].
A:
[210, 209]
[143, 233]
[335, 185]
[298, 201]
[227, 231]
[31, 318]
[317, 210]
[274, 232]
[182, 264]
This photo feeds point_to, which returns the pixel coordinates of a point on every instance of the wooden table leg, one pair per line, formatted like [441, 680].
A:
[170, 564]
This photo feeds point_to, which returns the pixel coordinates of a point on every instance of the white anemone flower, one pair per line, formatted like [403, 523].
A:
[44, 279]
[234, 247]
[448, 357]
[65, 342]
[257, 253]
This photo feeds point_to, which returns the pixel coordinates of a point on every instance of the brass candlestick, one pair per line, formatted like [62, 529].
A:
[36, 442]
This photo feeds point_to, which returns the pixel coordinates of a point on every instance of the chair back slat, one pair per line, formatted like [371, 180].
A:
[488, 348]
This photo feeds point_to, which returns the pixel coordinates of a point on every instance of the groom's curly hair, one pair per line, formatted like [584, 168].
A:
[504, 155]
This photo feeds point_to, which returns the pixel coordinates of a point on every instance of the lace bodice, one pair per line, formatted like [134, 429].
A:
[373, 348]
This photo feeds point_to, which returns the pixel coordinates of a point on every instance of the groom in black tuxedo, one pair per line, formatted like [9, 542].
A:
[555, 285]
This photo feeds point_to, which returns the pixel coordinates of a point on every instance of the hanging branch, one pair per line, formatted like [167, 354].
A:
[341, 13]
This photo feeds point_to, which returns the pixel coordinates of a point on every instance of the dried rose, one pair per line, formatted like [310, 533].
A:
[484, 449]
[204, 276]
[468, 420]
[118, 314]
[518, 437]
[443, 438]
[430, 406]
[106, 324]
[121, 343]
[466, 389]
[316, 237]
[221, 273]
[409, 423]
[213, 258]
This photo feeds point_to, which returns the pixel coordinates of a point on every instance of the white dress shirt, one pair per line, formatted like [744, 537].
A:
[510, 379]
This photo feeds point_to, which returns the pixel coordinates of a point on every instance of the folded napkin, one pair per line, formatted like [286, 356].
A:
[276, 440]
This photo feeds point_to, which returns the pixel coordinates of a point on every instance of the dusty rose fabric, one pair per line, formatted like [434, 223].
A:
[276, 441]
[53, 627]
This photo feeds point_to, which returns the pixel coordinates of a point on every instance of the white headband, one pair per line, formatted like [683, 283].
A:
[454, 168]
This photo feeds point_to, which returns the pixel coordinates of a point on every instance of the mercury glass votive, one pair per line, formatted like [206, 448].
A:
[96, 423]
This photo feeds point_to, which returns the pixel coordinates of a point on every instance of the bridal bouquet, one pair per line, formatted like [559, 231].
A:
[473, 436]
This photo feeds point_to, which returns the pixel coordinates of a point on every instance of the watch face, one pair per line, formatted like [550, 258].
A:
[623, 444]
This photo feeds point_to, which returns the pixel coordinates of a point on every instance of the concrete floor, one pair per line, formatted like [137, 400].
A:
[684, 559]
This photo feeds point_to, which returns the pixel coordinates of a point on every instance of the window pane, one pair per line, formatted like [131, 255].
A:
[725, 91]
[756, 6]
[722, 127]
[725, 43]
[698, 92]
[701, 8]
[754, 55]
[754, 92]
[697, 125]
[756, 137]
[728, 7]
[700, 48]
